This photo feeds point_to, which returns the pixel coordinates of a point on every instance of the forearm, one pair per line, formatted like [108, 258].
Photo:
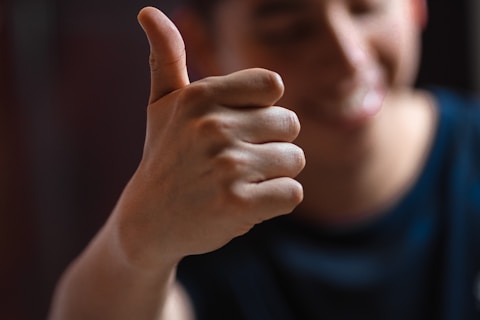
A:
[101, 285]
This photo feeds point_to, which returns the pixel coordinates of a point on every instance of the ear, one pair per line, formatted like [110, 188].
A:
[199, 43]
[420, 12]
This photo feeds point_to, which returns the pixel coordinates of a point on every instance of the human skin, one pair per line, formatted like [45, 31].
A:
[219, 157]
[348, 68]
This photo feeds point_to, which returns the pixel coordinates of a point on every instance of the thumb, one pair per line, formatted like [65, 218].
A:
[167, 53]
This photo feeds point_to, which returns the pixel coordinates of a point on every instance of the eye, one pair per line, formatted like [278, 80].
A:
[291, 33]
[366, 7]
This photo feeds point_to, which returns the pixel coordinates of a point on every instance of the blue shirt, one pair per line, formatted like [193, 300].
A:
[420, 260]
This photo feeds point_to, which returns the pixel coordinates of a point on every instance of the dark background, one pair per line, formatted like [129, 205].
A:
[74, 85]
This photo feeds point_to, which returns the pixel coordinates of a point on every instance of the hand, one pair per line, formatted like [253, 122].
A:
[218, 156]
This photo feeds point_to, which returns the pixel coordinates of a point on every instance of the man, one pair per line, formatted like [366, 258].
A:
[384, 230]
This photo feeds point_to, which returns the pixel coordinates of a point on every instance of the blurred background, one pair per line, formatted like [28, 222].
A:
[74, 85]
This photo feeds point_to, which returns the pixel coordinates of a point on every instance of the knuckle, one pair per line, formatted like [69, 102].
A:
[234, 196]
[238, 197]
[158, 62]
[194, 94]
[230, 163]
[299, 157]
[296, 193]
[215, 127]
[269, 78]
[292, 195]
[267, 81]
[291, 124]
[294, 157]
[194, 100]
[153, 62]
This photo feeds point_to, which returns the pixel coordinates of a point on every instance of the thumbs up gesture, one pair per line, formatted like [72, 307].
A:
[218, 156]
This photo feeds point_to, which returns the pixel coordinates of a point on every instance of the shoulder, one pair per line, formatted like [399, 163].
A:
[458, 122]
[452, 98]
[457, 106]
[459, 132]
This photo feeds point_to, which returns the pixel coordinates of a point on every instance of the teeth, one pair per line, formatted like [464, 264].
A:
[371, 101]
[355, 101]
[363, 101]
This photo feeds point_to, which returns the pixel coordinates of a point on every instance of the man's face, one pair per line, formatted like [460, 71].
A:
[338, 58]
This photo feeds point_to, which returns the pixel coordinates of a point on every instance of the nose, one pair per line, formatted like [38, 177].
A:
[341, 45]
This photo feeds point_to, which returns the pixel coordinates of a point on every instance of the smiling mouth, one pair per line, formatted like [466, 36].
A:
[347, 110]
[363, 102]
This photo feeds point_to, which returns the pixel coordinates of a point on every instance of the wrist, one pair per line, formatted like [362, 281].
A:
[135, 241]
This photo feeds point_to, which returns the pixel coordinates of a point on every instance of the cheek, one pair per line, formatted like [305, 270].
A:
[398, 51]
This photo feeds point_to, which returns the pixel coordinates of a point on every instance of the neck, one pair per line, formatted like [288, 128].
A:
[365, 171]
